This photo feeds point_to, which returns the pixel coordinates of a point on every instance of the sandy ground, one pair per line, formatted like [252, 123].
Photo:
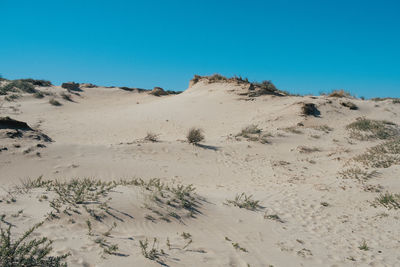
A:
[309, 215]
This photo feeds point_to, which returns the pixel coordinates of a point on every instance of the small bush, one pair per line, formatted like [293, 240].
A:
[339, 93]
[43, 83]
[20, 252]
[151, 137]
[17, 86]
[12, 97]
[195, 135]
[54, 102]
[366, 129]
[309, 109]
[244, 201]
[38, 94]
[381, 156]
[66, 97]
[389, 200]
[349, 105]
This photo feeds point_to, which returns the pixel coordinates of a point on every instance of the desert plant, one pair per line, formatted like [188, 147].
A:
[339, 93]
[364, 246]
[17, 86]
[37, 82]
[389, 200]
[381, 156]
[249, 130]
[349, 105]
[309, 109]
[357, 174]
[38, 94]
[20, 252]
[307, 150]
[12, 97]
[195, 135]
[54, 102]
[151, 254]
[151, 137]
[66, 97]
[366, 129]
[244, 201]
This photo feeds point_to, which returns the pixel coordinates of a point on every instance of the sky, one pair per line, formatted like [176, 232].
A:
[301, 46]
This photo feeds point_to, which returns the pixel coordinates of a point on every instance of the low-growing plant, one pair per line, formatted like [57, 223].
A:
[195, 135]
[54, 102]
[150, 253]
[309, 109]
[364, 246]
[38, 94]
[389, 200]
[66, 96]
[339, 93]
[357, 174]
[307, 150]
[21, 252]
[17, 86]
[349, 105]
[151, 137]
[366, 129]
[244, 201]
[383, 155]
[12, 97]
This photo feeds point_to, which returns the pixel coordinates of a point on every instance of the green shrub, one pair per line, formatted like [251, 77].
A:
[21, 252]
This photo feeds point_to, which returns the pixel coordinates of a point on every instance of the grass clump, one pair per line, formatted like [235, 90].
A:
[307, 150]
[43, 83]
[366, 129]
[358, 174]
[381, 156]
[253, 133]
[54, 102]
[66, 97]
[309, 109]
[151, 137]
[339, 93]
[364, 246]
[17, 86]
[21, 252]
[195, 135]
[12, 97]
[389, 200]
[349, 105]
[150, 253]
[38, 94]
[244, 201]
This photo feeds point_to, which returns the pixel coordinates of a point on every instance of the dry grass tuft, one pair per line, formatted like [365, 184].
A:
[195, 136]
[366, 129]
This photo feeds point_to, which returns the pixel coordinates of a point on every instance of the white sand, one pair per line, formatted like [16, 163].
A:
[100, 135]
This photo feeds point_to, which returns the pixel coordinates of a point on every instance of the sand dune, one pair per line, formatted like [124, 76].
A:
[317, 198]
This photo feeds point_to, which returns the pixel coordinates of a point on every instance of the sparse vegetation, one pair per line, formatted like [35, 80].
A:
[12, 97]
[42, 83]
[366, 129]
[151, 137]
[339, 93]
[357, 174]
[195, 136]
[38, 94]
[17, 86]
[244, 201]
[54, 102]
[20, 252]
[349, 105]
[309, 109]
[253, 133]
[364, 246]
[307, 150]
[273, 217]
[381, 156]
[66, 96]
[389, 200]
[292, 129]
[323, 128]
[150, 253]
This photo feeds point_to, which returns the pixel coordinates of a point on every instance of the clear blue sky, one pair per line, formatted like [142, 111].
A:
[302, 46]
